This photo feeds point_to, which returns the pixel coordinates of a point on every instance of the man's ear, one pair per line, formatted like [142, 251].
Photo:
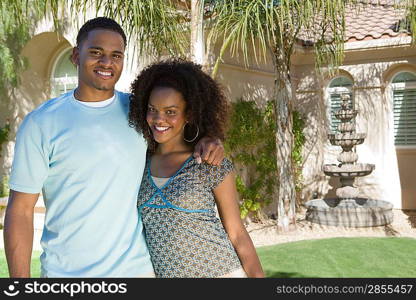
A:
[75, 56]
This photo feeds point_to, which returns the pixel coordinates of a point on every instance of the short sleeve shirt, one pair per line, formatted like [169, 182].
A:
[87, 162]
[184, 236]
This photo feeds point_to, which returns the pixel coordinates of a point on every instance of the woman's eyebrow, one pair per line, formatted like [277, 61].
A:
[171, 106]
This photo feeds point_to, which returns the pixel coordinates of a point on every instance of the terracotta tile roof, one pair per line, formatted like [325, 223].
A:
[374, 20]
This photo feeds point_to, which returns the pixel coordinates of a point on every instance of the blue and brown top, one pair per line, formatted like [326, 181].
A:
[184, 236]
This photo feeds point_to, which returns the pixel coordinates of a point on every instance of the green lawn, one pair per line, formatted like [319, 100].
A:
[335, 257]
[35, 266]
[341, 258]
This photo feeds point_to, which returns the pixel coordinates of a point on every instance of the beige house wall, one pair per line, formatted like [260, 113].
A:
[407, 162]
[34, 86]
[393, 179]
[248, 84]
[252, 81]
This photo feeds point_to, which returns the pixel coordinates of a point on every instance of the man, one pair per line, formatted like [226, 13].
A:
[80, 151]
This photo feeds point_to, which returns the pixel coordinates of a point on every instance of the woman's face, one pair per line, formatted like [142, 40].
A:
[166, 115]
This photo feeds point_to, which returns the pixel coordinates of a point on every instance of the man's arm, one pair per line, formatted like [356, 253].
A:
[210, 150]
[18, 232]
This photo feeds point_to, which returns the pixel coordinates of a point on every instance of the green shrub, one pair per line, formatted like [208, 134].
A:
[251, 145]
[4, 137]
[4, 134]
[4, 190]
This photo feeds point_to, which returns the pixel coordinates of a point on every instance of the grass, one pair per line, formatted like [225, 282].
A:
[34, 268]
[341, 258]
[325, 258]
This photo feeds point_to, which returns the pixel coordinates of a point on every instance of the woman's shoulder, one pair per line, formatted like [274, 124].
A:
[226, 163]
[213, 175]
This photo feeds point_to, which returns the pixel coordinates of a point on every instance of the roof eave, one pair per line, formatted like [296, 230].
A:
[392, 42]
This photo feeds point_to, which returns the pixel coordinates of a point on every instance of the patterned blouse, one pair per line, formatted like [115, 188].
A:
[184, 236]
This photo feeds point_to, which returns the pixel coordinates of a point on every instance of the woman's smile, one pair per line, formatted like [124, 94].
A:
[161, 129]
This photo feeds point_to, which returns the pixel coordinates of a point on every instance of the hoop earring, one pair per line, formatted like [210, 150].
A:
[197, 133]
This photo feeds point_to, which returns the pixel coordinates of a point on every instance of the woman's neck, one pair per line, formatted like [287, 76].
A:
[165, 149]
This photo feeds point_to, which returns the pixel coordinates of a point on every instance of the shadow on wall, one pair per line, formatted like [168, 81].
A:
[411, 217]
[247, 84]
[310, 103]
[374, 110]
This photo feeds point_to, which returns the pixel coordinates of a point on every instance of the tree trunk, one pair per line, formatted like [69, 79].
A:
[286, 202]
[197, 32]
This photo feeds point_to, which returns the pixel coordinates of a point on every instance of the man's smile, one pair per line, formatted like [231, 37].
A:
[105, 74]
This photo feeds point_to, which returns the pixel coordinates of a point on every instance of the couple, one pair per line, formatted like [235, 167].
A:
[81, 150]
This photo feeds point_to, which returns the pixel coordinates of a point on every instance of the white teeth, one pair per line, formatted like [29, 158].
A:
[161, 128]
[104, 73]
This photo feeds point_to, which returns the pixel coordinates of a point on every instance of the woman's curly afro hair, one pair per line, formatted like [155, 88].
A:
[206, 104]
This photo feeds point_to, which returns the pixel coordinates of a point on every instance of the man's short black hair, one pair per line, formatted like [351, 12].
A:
[100, 23]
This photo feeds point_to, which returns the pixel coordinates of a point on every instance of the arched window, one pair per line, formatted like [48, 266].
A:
[404, 108]
[338, 86]
[64, 75]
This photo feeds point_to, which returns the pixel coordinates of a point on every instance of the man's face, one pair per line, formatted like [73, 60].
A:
[100, 59]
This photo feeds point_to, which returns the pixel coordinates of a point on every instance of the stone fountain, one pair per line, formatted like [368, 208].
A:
[348, 209]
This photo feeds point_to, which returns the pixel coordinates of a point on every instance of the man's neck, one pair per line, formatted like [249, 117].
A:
[95, 95]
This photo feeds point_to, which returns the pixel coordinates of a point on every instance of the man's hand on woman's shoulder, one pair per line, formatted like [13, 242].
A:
[209, 150]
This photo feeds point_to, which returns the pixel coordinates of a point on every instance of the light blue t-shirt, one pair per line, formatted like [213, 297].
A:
[89, 164]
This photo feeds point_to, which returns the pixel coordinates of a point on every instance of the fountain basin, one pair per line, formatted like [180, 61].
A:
[346, 114]
[353, 170]
[358, 212]
[346, 139]
[346, 127]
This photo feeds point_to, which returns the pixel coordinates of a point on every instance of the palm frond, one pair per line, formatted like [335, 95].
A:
[154, 26]
[276, 26]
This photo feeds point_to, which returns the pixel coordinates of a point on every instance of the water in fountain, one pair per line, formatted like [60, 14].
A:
[348, 209]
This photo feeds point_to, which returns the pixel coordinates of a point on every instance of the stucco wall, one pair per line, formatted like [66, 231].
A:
[369, 70]
[248, 84]
[34, 87]
[407, 166]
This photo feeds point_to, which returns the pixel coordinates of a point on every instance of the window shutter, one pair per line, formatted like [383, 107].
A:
[335, 105]
[404, 109]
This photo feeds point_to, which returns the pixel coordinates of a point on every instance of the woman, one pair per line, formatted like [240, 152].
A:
[174, 103]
